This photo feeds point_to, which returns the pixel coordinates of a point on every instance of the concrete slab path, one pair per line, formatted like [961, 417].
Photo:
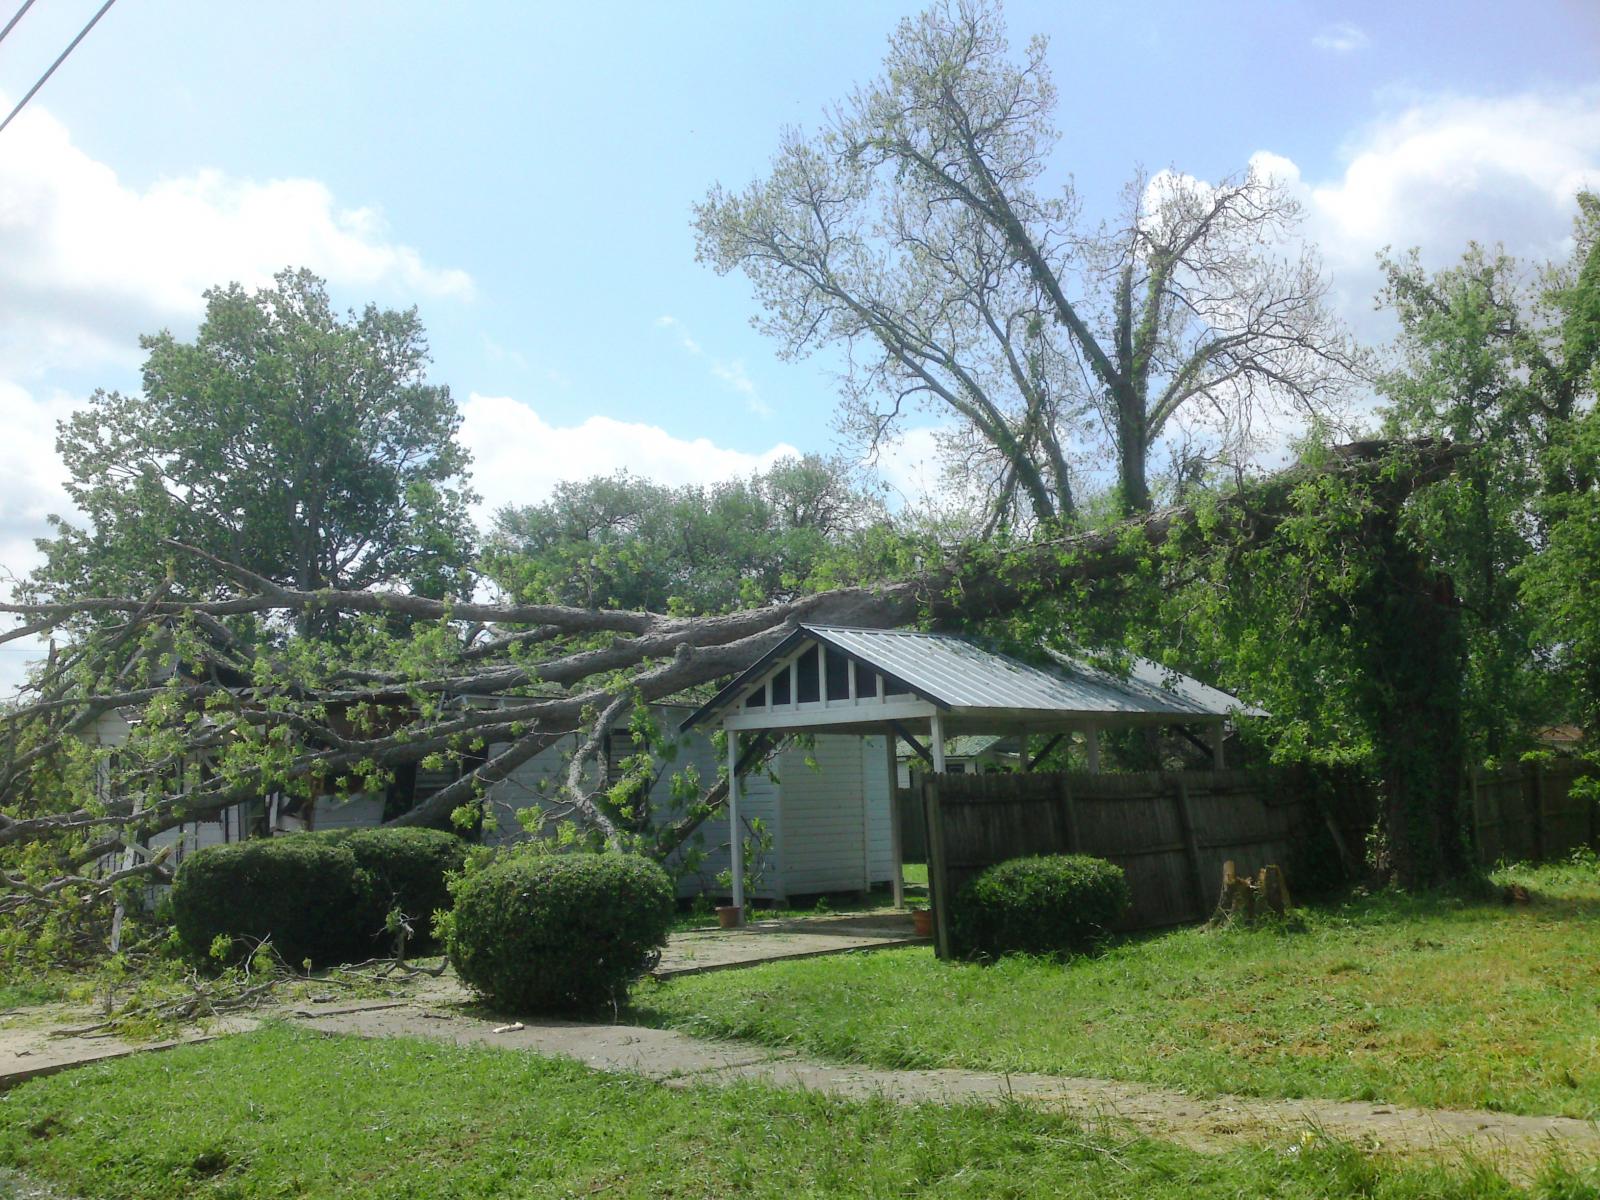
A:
[1516, 1144]
[700, 950]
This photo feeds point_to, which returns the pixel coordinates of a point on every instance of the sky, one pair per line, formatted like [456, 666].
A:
[524, 174]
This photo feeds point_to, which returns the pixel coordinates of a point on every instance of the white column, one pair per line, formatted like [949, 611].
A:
[1091, 746]
[1022, 764]
[897, 851]
[735, 829]
[1219, 734]
[936, 735]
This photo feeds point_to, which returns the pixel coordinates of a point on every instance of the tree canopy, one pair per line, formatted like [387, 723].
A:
[916, 233]
[306, 447]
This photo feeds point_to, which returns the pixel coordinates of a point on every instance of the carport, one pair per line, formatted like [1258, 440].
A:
[925, 688]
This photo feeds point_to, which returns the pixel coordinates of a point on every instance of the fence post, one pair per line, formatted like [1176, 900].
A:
[938, 877]
[1069, 813]
[1191, 845]
[1540, 847]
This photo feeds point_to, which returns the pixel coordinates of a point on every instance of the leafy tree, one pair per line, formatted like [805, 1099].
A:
[914, 231]
[307, 447]
[624, 542]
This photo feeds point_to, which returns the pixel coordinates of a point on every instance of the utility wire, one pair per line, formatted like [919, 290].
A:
[71, 46]
[12, 24]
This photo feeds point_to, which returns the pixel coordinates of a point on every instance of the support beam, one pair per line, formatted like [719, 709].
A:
[896, 848]
[904, 734]
[735, 826]
[1050, 744]
[936, 731]
[1219, 735]
[1023, 763]
[1091, 747]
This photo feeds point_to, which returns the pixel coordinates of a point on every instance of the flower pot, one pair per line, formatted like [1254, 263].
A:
[730, 916]
[922, 921]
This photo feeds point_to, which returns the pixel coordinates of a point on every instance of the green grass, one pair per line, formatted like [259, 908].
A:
[1426, 1000]
[31, 991]
[286, 1113]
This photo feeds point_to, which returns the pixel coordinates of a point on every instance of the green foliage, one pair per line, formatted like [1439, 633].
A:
[304, 894]
[624, 542]
[559, 932]
[407, 871]
[1050, 904]
[307, 447]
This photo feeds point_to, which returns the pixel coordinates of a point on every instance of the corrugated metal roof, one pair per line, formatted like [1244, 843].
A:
[958, 674]
[955, 674]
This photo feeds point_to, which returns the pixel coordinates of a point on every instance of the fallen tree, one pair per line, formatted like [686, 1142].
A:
[517, 678]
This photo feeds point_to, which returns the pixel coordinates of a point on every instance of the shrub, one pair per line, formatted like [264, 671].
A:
[406, 870]
[559, 932]
[306, 894]
[1050, 904]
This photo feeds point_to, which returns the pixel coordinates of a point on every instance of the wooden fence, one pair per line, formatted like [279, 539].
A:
[1169, 832]
[1529, 813]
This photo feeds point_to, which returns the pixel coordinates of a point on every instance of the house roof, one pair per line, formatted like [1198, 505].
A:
[954, 674]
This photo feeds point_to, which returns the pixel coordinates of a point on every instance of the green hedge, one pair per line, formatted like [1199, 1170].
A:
[307, 895]
[322, 896]
[1056, 904]
[407, 869]
[559, 932]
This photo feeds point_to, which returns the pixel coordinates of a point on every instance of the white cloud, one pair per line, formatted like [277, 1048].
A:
[87, 262]
[1341, 38]
[730, 371]
[1436, 173]
[519, 457]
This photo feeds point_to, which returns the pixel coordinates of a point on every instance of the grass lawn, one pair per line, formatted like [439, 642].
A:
[288, 1113]
[1431, 1001]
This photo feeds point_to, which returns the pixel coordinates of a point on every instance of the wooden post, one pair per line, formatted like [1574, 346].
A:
[1536, 809]
[897, 850]
[1219, 735]
[1069, 813]
[938, 879]
[936, 736]
[1091, 747]
[735, 830]
[1191, 845]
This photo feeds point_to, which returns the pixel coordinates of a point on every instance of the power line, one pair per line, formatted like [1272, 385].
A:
[12, 24]
[71, 46]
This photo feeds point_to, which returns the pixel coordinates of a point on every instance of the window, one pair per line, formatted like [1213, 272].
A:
[807, 681]
[757, 698]
[780, 688]
[838, 675]
[893, 687]
[866, 682]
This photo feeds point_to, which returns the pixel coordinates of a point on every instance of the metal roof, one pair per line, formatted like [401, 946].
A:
[955, 674]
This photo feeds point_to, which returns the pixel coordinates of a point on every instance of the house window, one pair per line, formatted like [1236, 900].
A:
[780, 687]
[893, 687]
[757, 698]
[838, 675]
[807, 680]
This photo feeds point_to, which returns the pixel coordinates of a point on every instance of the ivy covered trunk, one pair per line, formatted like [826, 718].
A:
[1416, 660]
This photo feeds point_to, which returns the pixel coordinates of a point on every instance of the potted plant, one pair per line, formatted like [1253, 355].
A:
[922, 921]
[730, 916]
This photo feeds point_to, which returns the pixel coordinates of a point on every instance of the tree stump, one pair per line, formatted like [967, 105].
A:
[1245, 899]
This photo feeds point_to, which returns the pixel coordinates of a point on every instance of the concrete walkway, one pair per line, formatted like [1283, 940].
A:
[703, 950]
[1515, 1144]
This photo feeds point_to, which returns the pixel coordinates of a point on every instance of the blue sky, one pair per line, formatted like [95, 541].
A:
[524, 174]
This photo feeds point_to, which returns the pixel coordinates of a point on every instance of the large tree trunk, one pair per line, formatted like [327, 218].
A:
[1414, 680]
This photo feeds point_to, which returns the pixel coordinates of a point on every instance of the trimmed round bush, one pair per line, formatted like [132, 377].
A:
[1053, 904]
[306, 894]
[557, 933]
[406, 869]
